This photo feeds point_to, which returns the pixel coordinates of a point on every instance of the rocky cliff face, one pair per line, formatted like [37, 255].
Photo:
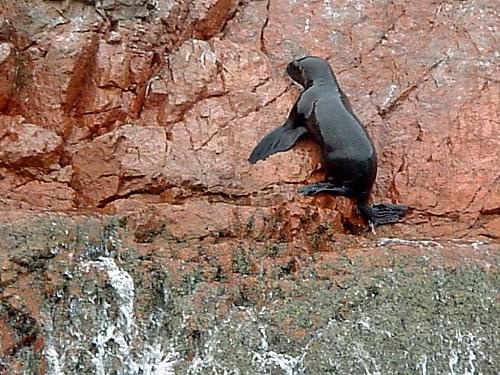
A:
[146, 111]
[116, 105]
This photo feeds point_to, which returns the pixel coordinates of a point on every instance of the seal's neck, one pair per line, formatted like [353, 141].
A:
[325, 79]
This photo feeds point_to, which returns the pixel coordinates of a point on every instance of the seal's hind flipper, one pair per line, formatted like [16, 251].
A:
[384, 213]
[279, 140]
[325, 187]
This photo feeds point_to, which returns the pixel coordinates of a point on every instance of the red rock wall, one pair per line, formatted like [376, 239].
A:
[154, 108]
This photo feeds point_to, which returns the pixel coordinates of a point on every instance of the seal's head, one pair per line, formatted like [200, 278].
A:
[310, 70]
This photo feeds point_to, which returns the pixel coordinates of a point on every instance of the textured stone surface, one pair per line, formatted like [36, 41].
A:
[26, 145]
[7, 73]
[110, 295]
[206, 80]
[134, 120]
[119, 163]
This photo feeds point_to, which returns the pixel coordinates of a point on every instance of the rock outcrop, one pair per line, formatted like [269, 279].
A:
[167, 99]
[125, 128]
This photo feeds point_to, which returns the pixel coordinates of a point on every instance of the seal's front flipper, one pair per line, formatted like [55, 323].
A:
[279, 140]
[325, 187]
[383, 213]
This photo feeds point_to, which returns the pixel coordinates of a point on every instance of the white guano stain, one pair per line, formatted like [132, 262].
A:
[423, 365]
[392, 92]
[117, 330]
[55, 361]
[307, 25]
[364, 357]
[328, 7]
[399, 241]
[121, 332]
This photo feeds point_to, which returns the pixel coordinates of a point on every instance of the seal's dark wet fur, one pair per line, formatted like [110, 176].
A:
[324, 113]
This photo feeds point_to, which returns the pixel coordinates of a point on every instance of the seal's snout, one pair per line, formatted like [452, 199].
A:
[311, 69]
[294, 70]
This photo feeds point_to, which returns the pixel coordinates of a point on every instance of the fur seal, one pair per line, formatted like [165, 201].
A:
[324, 113]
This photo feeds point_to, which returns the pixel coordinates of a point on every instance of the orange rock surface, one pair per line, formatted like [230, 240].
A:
[109, 110]
[147, 111]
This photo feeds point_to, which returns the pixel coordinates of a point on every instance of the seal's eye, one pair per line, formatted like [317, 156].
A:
[297, 67]
[292, 67]
[296, 71]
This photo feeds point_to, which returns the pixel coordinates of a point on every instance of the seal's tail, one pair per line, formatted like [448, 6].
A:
[383, 213]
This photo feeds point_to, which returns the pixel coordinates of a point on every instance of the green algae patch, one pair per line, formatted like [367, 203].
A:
[80, 295]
